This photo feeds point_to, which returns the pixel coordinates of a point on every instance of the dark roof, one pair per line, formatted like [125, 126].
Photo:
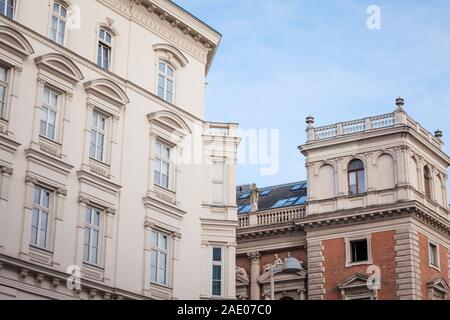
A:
[279, 196]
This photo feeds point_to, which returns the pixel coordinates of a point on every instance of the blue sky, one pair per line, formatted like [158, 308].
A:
[280, 61]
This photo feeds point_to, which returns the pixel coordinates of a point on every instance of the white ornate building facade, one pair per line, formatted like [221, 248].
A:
[107, 164]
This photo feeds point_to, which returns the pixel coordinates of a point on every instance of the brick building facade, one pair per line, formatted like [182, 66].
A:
[374, 225]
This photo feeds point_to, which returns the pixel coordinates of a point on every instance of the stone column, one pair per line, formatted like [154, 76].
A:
[230, 279]
[254, 275]
[30, 182]
[109, 243]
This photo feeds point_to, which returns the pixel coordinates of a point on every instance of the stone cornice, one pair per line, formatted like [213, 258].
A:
[345, 217]
[265, 231]
[57, 279]
[171, 23]
[94, 67]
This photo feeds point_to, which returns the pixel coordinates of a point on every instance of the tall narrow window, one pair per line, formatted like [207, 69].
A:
[217, 265]
[433, 249]
[104, 49]
[58, 24]
[3, 89]
[165, 81]
[40, 218]
[356, 177]
[49, 112]
[7, 8]
[359, 250]
[98, 136]
[162, 165]
[92, 231]
[158, 265]
[427, 181]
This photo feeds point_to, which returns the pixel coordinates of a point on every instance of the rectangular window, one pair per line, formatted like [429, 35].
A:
[3, 90]
[7, 8]
[162, 164]
[159, 255]
[92, 233]
[104, 49]
[434, 261]
[165, 81]
[58, 23]
[49, 113]
[217, 264]
[98, 137]
[359, 250]
[40, 218]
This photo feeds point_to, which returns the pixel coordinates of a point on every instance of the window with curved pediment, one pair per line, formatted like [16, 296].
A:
[106, 100]
[14, 48]
[167, 132]
[169, 60]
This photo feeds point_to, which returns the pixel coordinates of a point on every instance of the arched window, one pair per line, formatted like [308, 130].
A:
[356, 177]
[104, 49]
[165, 81]
[427, 180]
[58, 24]
[7, 8]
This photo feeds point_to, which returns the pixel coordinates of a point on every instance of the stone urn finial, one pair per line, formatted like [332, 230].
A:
[400, 102]
[438, 134]
[309, 121]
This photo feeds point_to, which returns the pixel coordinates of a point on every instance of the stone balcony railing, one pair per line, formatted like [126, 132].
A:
[399, 117]
[273, 216]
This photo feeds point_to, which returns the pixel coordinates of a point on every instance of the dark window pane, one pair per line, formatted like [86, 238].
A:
[217, 254]
[359, 250]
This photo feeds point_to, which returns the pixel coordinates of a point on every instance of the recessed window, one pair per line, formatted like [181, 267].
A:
[58, 24]
[165, 81]
[159, 254]
[162, 164]
[245, 209]
[92, 232]
[217, 272]
[427, 181]
[7, 8]
[359, 251]
[104, 49]
[50, 102]
[434, 259]
[98, 137]
[245, 195]
[356, 177]
[3, 90]
[40, 218]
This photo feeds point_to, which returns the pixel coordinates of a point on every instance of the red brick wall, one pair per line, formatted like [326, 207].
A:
[429, 273]
[383, 255]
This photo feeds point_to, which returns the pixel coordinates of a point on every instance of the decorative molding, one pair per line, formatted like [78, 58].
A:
[6, 170]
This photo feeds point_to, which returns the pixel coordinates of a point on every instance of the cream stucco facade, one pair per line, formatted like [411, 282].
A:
[107, 163]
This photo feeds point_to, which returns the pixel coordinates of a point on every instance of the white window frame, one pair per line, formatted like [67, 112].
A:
[91, 228]
[166, 78]
[59, 18]
[5, 10]
[348, 251]
[40, 209]
[436, 245]
[158, 251]
[98, 131]
[5, 85]
[220, 264]
[50, 108]
[103, 43]
[163, 161]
